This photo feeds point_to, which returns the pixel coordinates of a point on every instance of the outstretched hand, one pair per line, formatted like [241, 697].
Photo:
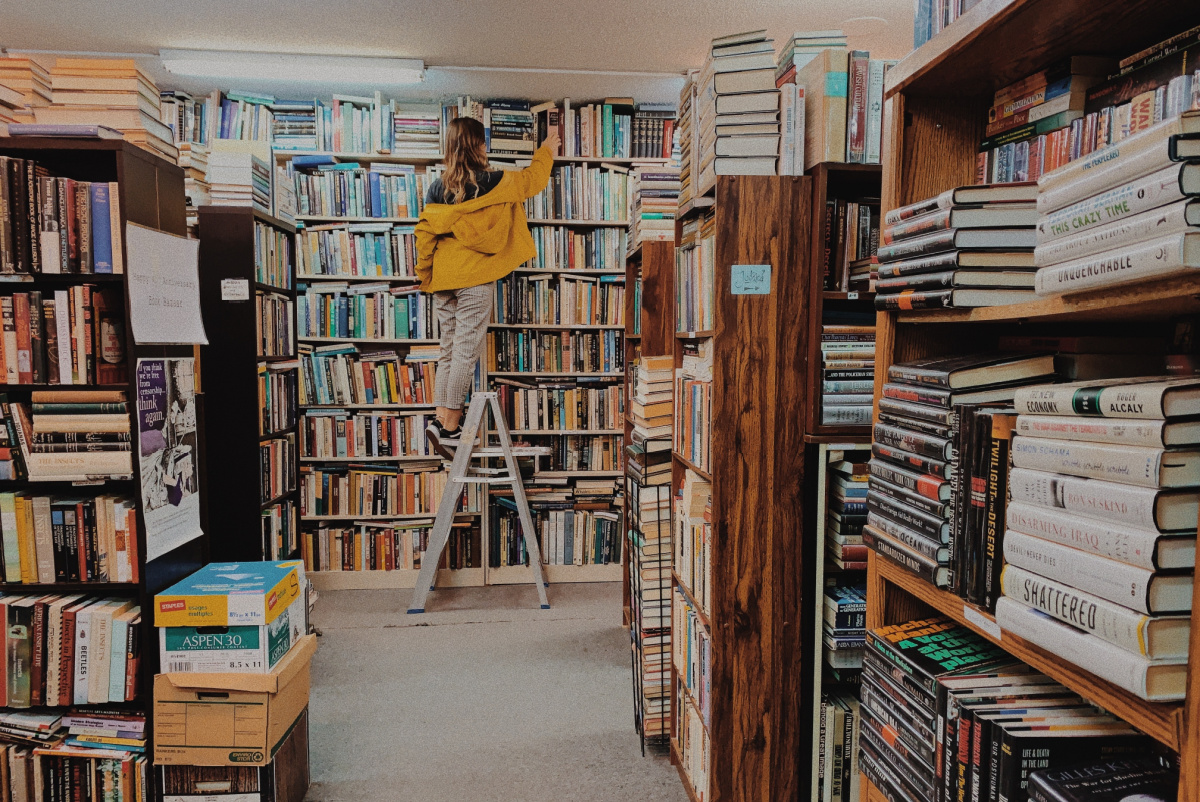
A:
[553, 141]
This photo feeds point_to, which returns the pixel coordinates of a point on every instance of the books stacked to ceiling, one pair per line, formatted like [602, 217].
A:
[28, 77]
[112, 92]
[851, 242]
[844, 630]
[184, 115]
[1101, 527]
[655, 196]
[967, 247]
[847, 368]
[510, 127]
[1126, 214]
[417, 129]
[918, 495]
[802, 48]
[738, 112]
[239, 177]
[651, 407]
[843, 98]
[944, 710]
[75, 435]
[294, 125]
[847, 512]
[932, 16]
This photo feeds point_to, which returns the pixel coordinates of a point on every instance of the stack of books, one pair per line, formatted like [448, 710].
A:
[1122, 215]
[837, 764]
[937, 720]
[239, 178]
[845, 626]
[293, 125]
[193, 158]
[1101, 538]
[510, 127]
[848, 373]
[650, 541]
[655, 196]
[738, 109]
[184, 115]
[914, 459]
[417, 129]
[847, 513]
[71, 751]
[11, 101]
[967, 247]
[651, 406]
[80, 435]
[693, 536]
[29, 78]
[803, 47]
[110, 92]
[116, 730]
[50, 539]
[843, 95]
[649, 462]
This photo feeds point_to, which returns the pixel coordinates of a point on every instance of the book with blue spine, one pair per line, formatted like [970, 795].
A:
[102, 244]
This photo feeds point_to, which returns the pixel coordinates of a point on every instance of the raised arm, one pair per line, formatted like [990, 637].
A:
[535, 177]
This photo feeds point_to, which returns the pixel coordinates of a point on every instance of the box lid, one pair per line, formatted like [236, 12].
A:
[296, 661]
[226, 594]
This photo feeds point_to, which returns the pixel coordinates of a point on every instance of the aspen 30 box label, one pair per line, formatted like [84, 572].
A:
[751, 280]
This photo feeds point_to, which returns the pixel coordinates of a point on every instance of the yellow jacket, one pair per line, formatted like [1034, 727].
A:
[481, 240]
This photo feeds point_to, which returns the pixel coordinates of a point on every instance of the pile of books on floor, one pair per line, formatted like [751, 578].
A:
[1101, 538]
[967, 247]
[847, 512]
[738, 109]
[651, 406]
[847, 370]
[917, 493]
[80, 438]
[837, 762]
[1123, 215]
[30, 78]
[109, 92]
[936, 720]
[239, 178]
[844, 626]
[655, 195]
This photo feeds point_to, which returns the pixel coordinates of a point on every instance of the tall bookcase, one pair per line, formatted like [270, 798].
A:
[239, 295]
[151, 195]
[758, 731]
[935, 111]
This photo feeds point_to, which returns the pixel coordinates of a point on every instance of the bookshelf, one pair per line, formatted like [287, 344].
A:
[934, 115]
[759, 722]
[150, 192]
[236, 245]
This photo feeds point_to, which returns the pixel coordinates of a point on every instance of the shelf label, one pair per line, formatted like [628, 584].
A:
[988, 626]
[235, 289]
[852, 296]
[750, 280]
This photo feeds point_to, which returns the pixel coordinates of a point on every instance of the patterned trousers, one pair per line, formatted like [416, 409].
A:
[463, 316]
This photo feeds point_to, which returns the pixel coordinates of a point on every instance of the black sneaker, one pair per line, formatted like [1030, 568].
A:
[443, 441]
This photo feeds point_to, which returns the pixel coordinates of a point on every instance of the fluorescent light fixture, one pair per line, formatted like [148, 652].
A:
[293, 67]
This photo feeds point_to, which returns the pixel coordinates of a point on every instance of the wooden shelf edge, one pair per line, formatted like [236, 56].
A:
[1161, 721]
[700, 613]
[703, 474]
[683, 778]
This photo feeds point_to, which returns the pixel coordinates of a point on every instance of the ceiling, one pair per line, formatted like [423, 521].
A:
[664, 37]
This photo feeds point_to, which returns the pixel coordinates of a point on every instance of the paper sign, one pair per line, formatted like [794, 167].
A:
[235, 289]
[164, 287]
[751, 280]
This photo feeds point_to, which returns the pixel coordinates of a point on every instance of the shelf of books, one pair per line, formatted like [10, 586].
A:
[1033, 488]
[79, 563]
[739, 568]
[247, 267]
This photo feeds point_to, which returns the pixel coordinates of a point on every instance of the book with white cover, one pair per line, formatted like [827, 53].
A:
[1132, 465]
[1153, 637]
[1172, 219]
[1103, 178]
[1145, 507]
[1168, 185]
[1153, 433]
[1139, 398]
[1124, 584]
[1145, 548]
[1155, 259]
[787, 128]
[1156, 681]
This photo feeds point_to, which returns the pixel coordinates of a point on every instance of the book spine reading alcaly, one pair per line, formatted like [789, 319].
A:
[1134, 398]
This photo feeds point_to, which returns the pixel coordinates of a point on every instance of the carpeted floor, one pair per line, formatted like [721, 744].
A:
[483, 698]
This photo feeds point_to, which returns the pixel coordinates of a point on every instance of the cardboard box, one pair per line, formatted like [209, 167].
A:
[222, 719]
[245, 649]
[286, 779]
[231, 594]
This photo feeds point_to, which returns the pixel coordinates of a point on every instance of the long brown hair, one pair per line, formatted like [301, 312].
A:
[466, 155]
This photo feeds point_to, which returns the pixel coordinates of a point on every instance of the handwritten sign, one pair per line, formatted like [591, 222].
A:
[751, 280]
[235, 289]
[164, 287]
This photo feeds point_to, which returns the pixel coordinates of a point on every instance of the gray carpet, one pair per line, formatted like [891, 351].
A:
[483, 698]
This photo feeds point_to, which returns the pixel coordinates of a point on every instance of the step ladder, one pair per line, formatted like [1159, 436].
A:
[462, 471]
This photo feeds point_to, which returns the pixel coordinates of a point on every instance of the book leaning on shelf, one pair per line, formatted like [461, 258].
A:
[1101, 539]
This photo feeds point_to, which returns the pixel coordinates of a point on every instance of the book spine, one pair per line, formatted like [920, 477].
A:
[1118, 582]
[931, 487]
[1168, 220]
[1118, 400]
[898, 493]
[922, 396]
[1104, 178]
[1128, 464]
[913, 528]
[938, 220]
[1110, 501]
[899, 456]
[936, 263]
[924, 445]
[875, 75]
[1154, 259]
[1132, 546]
[908, 300]
[908, 249]
[856, 107]
[909, 559]
[1127, 200]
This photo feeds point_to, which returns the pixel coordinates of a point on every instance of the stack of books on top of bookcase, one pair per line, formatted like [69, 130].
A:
[239, 178]
[28, 77]
[934, 722]
[185, 116]
[932, 17]
[802, 48]
[1101, 538]
[967, 247]
[843, 97]
[10, 102]
[1123, 215]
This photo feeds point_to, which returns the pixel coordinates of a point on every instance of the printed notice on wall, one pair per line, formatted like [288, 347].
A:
[164, 287]
[166, 406]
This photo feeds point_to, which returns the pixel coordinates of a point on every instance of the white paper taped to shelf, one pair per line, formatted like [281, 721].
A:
[164, 287]
[978, 619]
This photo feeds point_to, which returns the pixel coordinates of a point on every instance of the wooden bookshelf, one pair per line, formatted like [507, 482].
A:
[227, 261]
[150, 193]
[761, 714]
[935, 112]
